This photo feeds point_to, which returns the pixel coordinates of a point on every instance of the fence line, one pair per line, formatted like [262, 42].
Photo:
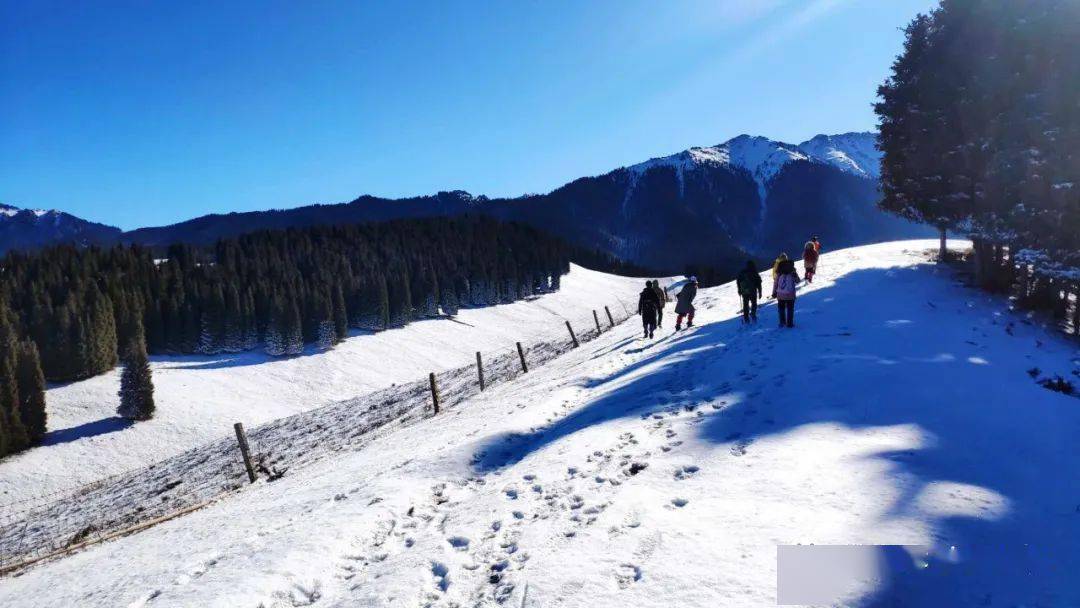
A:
[131, 501]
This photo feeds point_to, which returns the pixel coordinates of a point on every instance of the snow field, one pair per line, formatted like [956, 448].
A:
[665, 473]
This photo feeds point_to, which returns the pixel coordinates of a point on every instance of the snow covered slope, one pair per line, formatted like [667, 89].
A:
[665, 473]
[199, 398]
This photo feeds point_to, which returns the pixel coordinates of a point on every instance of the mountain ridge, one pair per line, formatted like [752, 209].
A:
[710, 205]
[33, 228]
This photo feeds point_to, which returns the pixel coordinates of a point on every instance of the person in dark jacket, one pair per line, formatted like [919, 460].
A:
[784, 292]
[661, 297]
[749, 286]
[684, 304]
[648, 306]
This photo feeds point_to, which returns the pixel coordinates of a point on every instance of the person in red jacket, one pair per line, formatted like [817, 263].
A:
[810, 260]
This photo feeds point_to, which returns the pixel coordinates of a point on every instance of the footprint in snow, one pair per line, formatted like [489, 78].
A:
[679, 502]
[739, 449]
[458, 542]
[627, 574]
[686, 472]
[441, 574]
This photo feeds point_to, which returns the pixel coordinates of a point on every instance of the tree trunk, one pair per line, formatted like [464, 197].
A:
[980, 262]
[998, 271]
[943, 250]
[1076, 311]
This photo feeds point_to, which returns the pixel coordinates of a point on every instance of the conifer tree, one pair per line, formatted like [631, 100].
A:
[31, 388]
[293, 330]
[341, 319]
[276, 329]
[136, 382]
[16, 437]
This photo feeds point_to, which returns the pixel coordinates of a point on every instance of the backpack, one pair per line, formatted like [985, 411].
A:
[785, 287]
[746, 284]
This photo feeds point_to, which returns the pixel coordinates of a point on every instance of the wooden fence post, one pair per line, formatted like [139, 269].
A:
[572, 336]
[434, 392]
[610, 319]
[480, 370]
[521, 355]
[596, 318]
[245, 451]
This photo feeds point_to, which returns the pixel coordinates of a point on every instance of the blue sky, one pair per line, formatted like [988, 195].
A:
[146, 113]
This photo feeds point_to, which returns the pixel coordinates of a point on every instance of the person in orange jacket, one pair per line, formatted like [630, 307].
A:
[810, 260]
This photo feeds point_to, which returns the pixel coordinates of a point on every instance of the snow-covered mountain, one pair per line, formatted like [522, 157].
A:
[32, 228]
[898, 415]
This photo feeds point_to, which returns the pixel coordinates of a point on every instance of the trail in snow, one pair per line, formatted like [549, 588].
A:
[638, 473]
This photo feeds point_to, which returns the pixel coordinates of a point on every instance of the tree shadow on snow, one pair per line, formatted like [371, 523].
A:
[985, 474]
[85, 430]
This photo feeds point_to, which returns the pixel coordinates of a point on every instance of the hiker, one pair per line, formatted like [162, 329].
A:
[661, 297]
[784, 292]
[810, 259]
[648, 306]
[749, 286]
[776, 265]
[684, 304]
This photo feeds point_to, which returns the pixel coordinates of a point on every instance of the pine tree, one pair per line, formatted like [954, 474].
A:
[341, 318]
[136, 382]
[293, 330]
[31, 388]
[15, 437]
[276, 329]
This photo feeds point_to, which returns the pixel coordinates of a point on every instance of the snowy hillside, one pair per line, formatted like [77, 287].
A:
[199, 398]
[899, 411]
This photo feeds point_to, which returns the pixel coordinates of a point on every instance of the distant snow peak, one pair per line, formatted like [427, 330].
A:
[854, 153]
[10, 211]
[687, 159]
[763, 158]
